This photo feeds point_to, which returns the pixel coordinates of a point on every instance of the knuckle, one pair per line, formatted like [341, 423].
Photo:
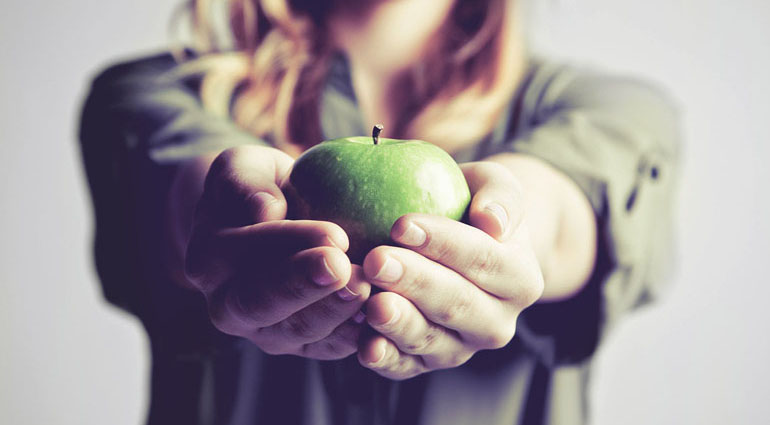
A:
[414, 280]
[535, 290]
[498, 337]
[274, 348]
[456, 311]
[443, 249]
[398, 367]
[232, 314]
[221, 317]
[297, 288]
[326, 309]
[222, 166]
[247, 308]
[334, 349]
[297, 327]
[425, 344]
[231, 186]
[486, 263]
[458, 359]
[530, 289]
[396, 364]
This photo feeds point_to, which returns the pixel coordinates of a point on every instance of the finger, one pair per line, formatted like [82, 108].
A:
[318, 320]
[342, 342]
[479, 258]
[213, 257]
[509, 271]
[242, 306]
[397, 319]
[382, 356]
[443, 296]
[497, 203]
[280, 238]
[243, 187]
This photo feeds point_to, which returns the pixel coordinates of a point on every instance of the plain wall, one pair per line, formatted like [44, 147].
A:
[697, 357]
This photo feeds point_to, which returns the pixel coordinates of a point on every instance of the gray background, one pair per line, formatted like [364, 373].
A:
[697, 357]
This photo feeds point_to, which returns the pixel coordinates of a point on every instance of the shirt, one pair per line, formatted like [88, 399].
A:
[616, 137]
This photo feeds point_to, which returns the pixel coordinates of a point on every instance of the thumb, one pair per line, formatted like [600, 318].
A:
[496, 205]
[243, 186]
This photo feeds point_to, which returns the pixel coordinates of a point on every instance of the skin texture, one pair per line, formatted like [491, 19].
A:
[289, 287]
[446, 299]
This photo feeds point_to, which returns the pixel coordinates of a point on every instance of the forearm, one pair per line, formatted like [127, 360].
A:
[561, 223]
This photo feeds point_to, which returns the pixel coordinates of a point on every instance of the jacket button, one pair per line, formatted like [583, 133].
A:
[654, 172]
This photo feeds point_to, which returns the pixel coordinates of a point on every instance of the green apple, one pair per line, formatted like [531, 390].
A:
[365, 184]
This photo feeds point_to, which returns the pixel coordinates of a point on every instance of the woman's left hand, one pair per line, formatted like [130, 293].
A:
[451, 289]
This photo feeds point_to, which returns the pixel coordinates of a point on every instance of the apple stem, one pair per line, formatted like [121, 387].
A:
[376, 133]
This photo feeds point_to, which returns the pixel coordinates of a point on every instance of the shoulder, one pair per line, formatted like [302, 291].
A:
[146, 84]
[149, 108]
[131, 86]
[558, 100]
[552, 88]
[132, 69]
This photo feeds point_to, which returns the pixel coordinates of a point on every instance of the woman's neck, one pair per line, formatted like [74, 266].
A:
[375, 91]
[381, 45]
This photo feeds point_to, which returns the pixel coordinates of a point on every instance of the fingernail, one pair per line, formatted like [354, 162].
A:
[390, 271]
[338, 240]
[393, 317]
[347, 294]
[336, 244]
[360, 317]
[499, 213]
[325, 276]
[413, 235]
[382, 350]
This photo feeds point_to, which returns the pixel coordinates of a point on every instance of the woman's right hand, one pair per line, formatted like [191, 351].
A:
[286, 285]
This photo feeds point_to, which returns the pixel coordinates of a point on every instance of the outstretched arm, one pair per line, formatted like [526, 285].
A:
[591, 180]
[455, 288]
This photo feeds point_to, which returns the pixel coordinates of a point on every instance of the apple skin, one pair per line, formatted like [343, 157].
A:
[365, 187]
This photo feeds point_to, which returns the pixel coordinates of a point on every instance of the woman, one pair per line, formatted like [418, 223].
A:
[570, 175]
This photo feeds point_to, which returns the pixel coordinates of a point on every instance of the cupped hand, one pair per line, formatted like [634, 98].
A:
[285, 285]
[451, 289]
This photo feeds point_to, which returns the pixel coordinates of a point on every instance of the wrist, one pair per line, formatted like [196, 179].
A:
[560, 221]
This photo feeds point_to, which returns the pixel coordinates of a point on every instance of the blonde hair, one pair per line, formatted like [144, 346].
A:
[270, 80]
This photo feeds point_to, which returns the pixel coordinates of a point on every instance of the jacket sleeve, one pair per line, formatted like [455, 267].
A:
[138, 124]
[618, 139]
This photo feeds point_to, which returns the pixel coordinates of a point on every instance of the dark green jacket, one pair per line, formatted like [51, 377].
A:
[616, 137]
